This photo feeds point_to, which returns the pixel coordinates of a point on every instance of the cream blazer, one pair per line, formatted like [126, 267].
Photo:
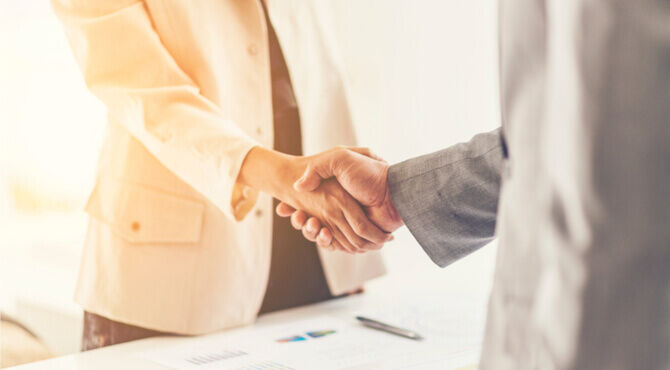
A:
[174, 244]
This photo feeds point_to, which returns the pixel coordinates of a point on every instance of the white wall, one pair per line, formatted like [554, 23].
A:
[50, 133]
[422, 75]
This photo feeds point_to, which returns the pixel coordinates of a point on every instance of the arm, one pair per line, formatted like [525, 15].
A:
[125, 65]
[449, 199]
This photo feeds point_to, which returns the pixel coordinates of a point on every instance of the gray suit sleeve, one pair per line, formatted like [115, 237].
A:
[449, 199]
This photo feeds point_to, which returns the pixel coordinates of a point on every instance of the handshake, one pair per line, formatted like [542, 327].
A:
[360, 216]
[338, 198]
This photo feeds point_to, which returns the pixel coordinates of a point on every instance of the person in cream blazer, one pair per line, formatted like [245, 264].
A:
[180, 238]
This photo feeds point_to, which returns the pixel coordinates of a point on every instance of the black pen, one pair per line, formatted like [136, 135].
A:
[374, 324]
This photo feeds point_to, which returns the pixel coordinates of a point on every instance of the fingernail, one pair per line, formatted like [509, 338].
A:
[390, 238]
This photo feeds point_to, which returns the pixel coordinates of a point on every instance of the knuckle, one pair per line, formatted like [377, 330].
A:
[358, 245]
[296, 224]
[329, 198]
[358, 242]
[366, 246]
[309, 236]
[374, 246]
[340, 199]
[294, 218]
[349, 247]
[331, 214]
[360, 226]
[322, 242]
[341, 152]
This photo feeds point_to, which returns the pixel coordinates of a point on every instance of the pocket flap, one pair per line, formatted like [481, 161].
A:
[144, 215]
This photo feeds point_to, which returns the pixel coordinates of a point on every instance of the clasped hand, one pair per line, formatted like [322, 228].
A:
[363, 176]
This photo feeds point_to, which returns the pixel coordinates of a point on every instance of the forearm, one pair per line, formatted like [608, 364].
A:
[449, 199]
[159, 104]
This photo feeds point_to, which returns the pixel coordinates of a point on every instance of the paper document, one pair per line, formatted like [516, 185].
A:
[209, 355]
[329, 343]
[455, 324]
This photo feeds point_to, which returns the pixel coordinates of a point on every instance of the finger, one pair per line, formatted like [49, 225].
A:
[339, 247]
[298, 219]
[284, 210]
[374, 247]
[311, 229]
[351, 236]
[343, 242]
[366, 152]
[362, 225]
[325, 239]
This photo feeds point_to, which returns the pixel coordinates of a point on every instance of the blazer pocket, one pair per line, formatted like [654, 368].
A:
[143, 215]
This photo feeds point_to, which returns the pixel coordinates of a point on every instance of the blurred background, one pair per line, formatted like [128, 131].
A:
[421, 75]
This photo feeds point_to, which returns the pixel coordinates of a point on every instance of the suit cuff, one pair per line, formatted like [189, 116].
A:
[416, 218]
[449, 199]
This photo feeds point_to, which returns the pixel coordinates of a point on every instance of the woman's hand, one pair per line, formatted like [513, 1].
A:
[345, 220]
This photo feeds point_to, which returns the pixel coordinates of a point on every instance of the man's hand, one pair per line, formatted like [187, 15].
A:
[275, 173]
[361, 174]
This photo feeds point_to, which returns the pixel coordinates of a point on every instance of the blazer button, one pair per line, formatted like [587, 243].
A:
[259, 213]
[252, 49]
[135, 226]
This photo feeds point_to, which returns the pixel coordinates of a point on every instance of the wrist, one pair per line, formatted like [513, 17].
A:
[391, 212]
[270, 171]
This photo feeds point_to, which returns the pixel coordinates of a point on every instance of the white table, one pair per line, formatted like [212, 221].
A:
[425, 284]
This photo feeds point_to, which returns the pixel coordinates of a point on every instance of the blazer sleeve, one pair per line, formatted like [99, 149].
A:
[449, 199]
[126, 66]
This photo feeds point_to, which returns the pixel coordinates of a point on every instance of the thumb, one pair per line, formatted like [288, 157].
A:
[318, 168]
[366, 152]
[309, 181]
